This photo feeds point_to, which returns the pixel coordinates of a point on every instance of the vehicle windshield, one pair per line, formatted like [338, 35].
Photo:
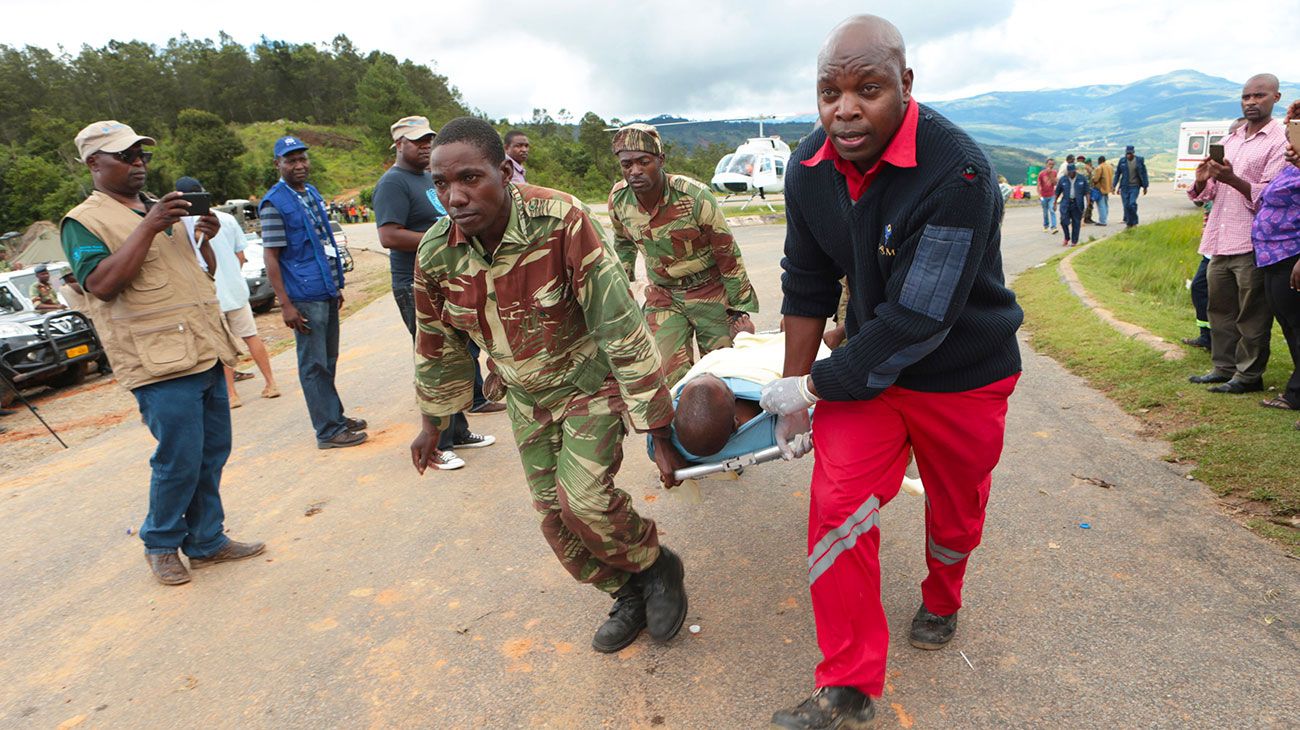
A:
[741, 165]
[722, 164]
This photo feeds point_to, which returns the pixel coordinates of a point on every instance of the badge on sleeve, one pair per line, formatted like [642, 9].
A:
[969, 173]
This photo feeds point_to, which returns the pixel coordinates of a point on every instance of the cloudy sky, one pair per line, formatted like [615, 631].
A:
[719, 59]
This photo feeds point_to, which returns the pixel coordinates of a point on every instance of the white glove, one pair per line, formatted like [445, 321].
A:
[787, 395]
[794, 427]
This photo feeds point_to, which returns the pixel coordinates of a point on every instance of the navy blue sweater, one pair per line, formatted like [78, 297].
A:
[929, 309]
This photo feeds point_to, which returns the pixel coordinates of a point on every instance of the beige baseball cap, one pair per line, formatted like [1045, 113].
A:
[411, 128]
[108, 136]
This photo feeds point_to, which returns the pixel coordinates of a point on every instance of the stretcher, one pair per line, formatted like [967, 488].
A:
[738, 463]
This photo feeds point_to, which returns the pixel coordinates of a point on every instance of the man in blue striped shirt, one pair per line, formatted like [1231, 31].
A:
[303, 264]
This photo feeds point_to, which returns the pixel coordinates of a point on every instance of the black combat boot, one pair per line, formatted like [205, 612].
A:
[931, 631]
[664, 591]
[626, 619]
[829, 707]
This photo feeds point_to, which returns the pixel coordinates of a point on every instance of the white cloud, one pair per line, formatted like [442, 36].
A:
[705, 59]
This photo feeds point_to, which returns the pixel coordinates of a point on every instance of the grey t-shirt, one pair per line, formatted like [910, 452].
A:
[407, 199]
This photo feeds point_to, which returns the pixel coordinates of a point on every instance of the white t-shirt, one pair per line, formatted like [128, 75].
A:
[232, 290]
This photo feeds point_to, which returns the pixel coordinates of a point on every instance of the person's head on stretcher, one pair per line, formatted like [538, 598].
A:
[708, 413]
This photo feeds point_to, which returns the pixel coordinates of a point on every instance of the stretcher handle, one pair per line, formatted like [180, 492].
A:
[738, 463]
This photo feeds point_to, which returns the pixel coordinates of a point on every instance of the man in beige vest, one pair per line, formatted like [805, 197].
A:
[158, 317]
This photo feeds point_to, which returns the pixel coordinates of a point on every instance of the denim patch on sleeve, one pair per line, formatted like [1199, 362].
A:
[935, 271]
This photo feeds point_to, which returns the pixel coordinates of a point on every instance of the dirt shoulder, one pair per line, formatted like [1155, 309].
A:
[80, 413]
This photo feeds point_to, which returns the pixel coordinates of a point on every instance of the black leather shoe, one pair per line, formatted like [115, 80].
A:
[664, 590]
[167, 568]
[1202, 342]
[1237, 387]
[829, 707]
[931, 631]
[343, 439]
[626, 619]
[230, 551]
[1209, 378]
[355, 424]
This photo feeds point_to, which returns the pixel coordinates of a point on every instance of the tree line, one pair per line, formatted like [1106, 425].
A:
[207, 101]
[186, 94]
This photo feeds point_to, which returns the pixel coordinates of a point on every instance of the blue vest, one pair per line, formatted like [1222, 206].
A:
[304, 267]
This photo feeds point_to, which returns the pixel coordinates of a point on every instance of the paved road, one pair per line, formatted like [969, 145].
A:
[389, 600]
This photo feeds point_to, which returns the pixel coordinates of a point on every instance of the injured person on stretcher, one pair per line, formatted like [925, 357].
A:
[718, 423]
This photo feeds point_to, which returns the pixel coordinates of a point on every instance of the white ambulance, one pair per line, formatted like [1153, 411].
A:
[1194, 140]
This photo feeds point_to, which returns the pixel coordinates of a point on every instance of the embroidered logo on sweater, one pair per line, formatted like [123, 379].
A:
[885, 248]
[969, 172]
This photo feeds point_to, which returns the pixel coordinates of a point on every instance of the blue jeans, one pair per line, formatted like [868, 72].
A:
[1103, 209]
[318, 357]
[1049, 208]
[190, 418]
[1129, 195]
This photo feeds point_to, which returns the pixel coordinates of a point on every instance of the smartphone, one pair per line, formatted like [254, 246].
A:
[1293, 134]
[1216, 153]
[200, 203]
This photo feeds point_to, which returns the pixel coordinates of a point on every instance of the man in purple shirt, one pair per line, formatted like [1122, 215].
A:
[1240, 320]
[1276, 235]
[516, 154]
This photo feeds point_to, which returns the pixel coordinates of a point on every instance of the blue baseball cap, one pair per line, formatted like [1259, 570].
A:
[1128, 149]
[285, 145]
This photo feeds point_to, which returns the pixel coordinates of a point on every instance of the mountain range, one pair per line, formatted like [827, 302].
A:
[1105, 117]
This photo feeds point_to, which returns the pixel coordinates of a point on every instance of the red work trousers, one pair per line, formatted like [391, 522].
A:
[861, 450]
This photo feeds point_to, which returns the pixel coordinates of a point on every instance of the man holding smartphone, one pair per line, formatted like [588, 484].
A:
[1240, 319]
[157, 315]
[303, 264]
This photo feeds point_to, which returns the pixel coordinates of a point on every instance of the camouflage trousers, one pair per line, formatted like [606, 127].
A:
[676, 317]
[569, 464]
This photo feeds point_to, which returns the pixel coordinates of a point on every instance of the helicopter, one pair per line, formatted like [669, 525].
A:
[756, 167]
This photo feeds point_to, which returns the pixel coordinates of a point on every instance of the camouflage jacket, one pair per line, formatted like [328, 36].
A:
[42, 293]
[685, 240]
[551, 307]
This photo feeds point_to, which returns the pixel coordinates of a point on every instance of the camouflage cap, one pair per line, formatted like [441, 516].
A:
[638, 138]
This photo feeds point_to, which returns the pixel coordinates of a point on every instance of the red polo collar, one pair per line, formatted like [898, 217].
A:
[900, 152]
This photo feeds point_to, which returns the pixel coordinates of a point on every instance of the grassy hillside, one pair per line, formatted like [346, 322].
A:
[343, 159]
[1012, 162]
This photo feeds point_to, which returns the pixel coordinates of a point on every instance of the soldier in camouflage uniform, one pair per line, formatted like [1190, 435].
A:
[41, 292]
[698, 285]
[526, 273]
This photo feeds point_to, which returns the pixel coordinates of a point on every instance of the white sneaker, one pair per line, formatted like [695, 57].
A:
[475, 441]
[447, 460]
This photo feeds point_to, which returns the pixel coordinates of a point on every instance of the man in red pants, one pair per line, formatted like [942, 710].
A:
[906, 205]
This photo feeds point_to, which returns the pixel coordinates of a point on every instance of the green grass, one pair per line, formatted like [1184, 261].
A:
[1240, 450]
[342, 158]
[1141, 275]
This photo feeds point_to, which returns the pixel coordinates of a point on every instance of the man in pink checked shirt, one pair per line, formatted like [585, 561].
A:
[1240, 319]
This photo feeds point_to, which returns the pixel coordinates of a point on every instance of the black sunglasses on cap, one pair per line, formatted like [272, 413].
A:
[129, 156]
